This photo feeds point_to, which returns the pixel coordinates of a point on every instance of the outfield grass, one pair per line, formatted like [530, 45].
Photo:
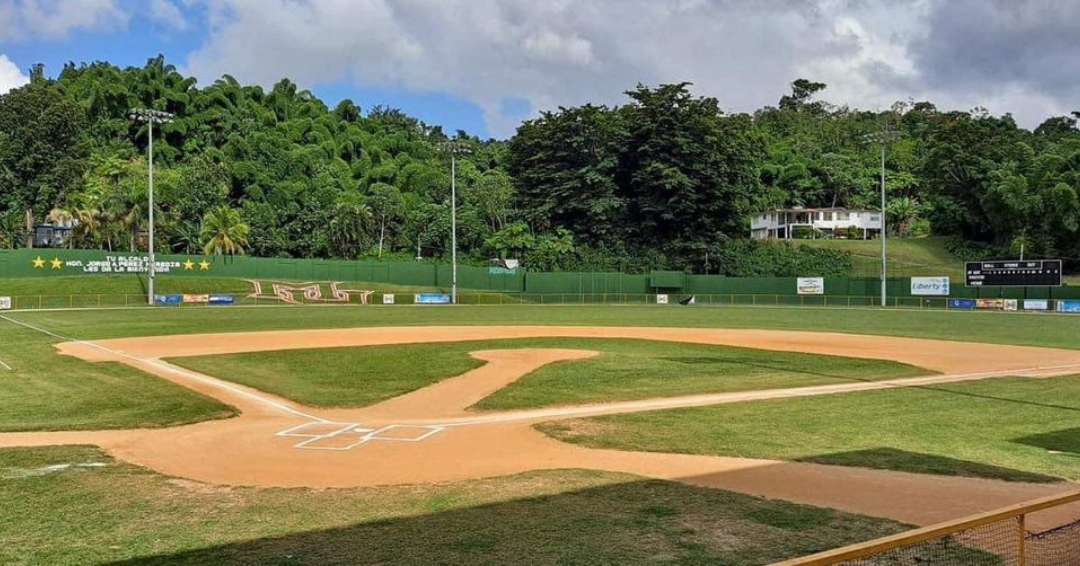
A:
[626, 370]
[47, 391]
[1007, 428]
[1062, 331]
[122, 514]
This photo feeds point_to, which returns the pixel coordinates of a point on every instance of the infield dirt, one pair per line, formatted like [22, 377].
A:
[430, 435]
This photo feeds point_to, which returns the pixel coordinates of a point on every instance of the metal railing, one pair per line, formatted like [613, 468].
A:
[996, 537]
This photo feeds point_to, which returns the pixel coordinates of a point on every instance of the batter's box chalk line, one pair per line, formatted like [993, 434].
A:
[321, 435]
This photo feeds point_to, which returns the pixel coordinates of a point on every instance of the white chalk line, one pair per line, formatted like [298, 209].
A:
[312, 439]
[714, 399]
[174, 370]
[5, 366]
[566, 412]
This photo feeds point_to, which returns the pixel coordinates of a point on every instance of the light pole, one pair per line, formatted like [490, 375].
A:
[454, 148]
[150, 117]
[884, 137]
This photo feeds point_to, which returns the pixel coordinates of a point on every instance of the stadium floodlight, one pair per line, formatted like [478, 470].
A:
[454, 148]
[884, 138]
[150, 117]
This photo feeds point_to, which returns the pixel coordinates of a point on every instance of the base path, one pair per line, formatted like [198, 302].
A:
[429, 435]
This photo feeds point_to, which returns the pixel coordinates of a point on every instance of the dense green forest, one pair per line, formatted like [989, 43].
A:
[664, 180]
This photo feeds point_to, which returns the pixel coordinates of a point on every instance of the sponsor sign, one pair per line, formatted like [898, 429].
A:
[937, 286]
[388, 299]
[431, 299]
[5, 303]
[1011, 304]
[221, 299]
[1037, 273]
[168, 299]
[810, 285]
[661, 299]
[1036, 304]
[990, 304]
[1068, 306]
[961, 303]
[196, 298]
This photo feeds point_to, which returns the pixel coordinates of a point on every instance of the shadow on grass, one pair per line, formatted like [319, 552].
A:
[920, 463]
[639, 522]
[1066, 441]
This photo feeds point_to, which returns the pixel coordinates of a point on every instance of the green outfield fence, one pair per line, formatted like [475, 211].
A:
[481, 284]
[110, 300]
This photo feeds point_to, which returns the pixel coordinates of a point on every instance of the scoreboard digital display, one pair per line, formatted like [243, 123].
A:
[1009, 273]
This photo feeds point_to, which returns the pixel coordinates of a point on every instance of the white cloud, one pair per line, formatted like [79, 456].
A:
[55, 19]
[165, 13]
[565, 52]
[10, 75]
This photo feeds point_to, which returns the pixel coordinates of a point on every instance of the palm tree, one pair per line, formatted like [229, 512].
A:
[902, 212]
[62, 218]
[224, 232]
[352, 218]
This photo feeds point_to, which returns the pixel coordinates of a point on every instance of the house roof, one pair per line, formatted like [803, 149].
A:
[829, 209]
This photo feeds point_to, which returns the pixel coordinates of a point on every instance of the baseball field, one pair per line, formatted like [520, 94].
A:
[479, 435]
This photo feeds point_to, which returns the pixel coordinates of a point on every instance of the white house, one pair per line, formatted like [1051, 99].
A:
[820, 222]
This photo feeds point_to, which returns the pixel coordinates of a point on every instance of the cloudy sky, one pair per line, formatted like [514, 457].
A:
[484, 65]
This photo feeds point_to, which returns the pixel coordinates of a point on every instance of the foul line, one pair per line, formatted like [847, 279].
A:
[172, 369]
[7, 367]
[717, 399]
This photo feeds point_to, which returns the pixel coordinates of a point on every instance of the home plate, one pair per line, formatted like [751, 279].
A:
[346, 436]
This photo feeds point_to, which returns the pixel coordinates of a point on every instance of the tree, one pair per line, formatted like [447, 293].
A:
[386, 203]
[43, 149]
[690, 173]
[565, 166]
[515, 239]
[223, 232]
[349, 224]
[902, 212]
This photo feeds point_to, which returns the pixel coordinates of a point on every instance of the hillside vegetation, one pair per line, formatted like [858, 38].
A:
[665, 180]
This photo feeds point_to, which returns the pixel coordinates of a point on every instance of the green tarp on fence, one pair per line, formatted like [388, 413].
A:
[89, 263]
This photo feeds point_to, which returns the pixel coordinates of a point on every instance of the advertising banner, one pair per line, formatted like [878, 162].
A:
[5, 303]
[661, 299]
[388, 299]
[1011, 304]
[168, 299]
[990, 304]
[1068, 306]
[221, 299]
[432, 299]
[196, 298]
[1036, 304]
[810, 285]
[961, 303]
[936, 286]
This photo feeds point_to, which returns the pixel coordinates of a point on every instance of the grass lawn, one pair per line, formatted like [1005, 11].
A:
[1006, 428]
[907, 256]
[627, 369]
[47, 391]
[123, 514]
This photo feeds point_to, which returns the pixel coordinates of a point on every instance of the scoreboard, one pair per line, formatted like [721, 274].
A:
[1009, 273]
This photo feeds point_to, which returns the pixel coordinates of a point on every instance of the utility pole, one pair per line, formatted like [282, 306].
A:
[884, 137]
[150, 117]
[454, 148]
